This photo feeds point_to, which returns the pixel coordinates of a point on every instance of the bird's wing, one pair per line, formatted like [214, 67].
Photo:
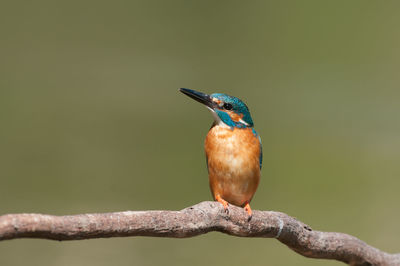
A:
[259, 140]
[261, 154]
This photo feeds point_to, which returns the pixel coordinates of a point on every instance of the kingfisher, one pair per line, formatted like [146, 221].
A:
[233, 150]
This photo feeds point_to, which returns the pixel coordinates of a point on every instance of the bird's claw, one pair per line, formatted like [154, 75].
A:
[248, 210]
[224, 203]
[226, 209]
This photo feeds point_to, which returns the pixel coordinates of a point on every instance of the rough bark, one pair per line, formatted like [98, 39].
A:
[196, 220]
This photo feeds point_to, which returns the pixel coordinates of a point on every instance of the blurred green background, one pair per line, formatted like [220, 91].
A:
[92, 121]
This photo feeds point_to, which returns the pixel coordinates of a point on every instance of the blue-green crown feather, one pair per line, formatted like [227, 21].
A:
[238, 107]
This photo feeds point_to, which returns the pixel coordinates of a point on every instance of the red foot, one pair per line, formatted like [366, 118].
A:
[248, 210]
[223, 202]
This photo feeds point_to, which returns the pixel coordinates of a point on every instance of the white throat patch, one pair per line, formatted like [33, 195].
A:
[217, 119]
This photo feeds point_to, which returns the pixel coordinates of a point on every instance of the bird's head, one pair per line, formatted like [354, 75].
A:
[227, 110]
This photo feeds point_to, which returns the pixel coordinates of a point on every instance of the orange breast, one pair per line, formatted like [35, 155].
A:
[233, 163]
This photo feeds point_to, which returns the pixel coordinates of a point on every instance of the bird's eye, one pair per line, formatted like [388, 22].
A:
[227, 106]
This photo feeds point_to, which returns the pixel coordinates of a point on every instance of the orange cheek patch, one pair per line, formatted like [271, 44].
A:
[234, 116]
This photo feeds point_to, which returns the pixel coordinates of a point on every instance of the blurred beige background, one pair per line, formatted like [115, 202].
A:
[92, 121]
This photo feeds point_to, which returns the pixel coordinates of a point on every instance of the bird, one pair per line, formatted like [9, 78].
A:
[233, 150]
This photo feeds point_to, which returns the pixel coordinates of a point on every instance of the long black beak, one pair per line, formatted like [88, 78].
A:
[199, 96]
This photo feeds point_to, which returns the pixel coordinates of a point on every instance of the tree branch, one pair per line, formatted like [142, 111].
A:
[196, 220]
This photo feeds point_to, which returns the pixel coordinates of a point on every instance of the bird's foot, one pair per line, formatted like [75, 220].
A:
[248, 210]
[223, 202]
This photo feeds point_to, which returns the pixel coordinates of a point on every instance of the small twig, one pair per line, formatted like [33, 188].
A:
[196, 220]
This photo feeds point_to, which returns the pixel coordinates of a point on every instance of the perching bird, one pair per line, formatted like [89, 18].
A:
[233, 150]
